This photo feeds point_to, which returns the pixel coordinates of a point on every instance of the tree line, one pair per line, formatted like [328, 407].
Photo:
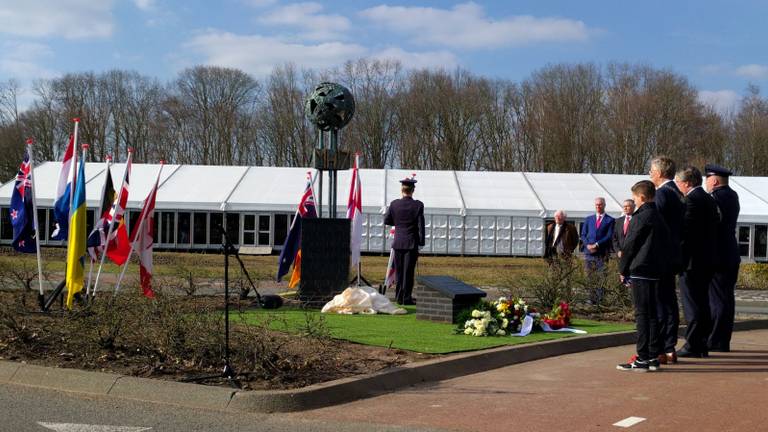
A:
[562, 118]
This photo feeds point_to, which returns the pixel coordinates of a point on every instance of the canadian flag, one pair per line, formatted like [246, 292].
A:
[118, 246]
[355, 213]
[143, 239]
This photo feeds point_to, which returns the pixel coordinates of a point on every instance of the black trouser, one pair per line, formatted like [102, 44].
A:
[646, 320]
[669, 314]
[694, 290]
[722, 306]
[405, 265]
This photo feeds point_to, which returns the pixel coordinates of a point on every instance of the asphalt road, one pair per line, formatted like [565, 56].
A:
[23, 408]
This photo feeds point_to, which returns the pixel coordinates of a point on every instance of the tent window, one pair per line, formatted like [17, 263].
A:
[6, 229]
[167, 227]
[51, 224]
[183, 229]
[42, 222]
[281, 228]
[233, 227]
[133, 219]
[744, 241]
[89, 215]
[264, 230]
[217, 222]
[761, 241]
[199, 228]
[249, 229]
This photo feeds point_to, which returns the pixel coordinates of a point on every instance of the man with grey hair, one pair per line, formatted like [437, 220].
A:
[561, 238]
[699, 252]
[669, 202]
[596, 242]
[622, 225]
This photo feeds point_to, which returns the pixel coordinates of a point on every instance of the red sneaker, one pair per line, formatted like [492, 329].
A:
[662, 358]
[670, 358]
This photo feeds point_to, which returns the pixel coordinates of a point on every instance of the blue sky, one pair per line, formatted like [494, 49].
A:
[720, 46]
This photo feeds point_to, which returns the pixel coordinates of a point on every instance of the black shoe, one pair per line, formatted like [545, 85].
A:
[410, 302]
[686, 353]
[653, 365]
[720, 349]
[635, 366]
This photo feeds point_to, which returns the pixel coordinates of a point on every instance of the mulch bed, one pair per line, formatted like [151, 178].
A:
[177, 338]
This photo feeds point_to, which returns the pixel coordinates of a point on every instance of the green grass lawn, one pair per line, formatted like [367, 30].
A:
[408, 333]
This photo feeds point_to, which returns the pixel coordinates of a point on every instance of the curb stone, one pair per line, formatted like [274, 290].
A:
[318, 395]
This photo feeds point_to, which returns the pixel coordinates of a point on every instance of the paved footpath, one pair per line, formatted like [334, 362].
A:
[584, 392]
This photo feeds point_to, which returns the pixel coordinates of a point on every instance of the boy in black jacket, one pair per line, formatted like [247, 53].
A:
[643, 260]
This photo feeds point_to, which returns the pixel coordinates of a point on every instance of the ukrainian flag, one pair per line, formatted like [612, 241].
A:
[77, 238]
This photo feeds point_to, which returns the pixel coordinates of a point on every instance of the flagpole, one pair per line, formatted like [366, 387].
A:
[90, 270]
[357, 180]
[30, 141]
[74, 172]
[112, 223]
[141, 225]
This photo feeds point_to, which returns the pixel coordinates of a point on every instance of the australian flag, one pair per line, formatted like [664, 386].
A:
[22, 216]
[292, 244]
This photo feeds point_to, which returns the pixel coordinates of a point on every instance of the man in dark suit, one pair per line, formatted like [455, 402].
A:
[641, 266]
[407, 216]
[699, 249]
[621, 226]
[722, 302]
[669, 202]
[561, 238]
[596, 243]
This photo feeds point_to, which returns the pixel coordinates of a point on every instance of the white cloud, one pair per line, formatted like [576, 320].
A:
[467, 26]
[723, 101]
[754, 71]
[259, 55]
[65, 18]
[20, 60]
[260, 3]
[307, 18]
[419, 60]
[144, 5]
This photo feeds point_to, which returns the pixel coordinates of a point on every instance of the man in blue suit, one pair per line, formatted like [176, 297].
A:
[596, 241]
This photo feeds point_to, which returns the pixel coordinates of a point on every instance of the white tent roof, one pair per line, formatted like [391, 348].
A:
[277, 189]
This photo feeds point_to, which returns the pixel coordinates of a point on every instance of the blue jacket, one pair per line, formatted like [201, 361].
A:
[603, 236]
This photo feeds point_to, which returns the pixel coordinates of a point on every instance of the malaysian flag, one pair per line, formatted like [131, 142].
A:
[22, 209]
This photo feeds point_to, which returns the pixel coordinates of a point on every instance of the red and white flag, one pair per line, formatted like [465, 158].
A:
[118, 246]
[355, 214]
[142, 239]
[391, 277]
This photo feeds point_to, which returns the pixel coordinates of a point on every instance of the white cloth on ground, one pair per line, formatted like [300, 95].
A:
[362, 300]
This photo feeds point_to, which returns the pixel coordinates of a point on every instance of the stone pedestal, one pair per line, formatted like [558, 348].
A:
[442, 298]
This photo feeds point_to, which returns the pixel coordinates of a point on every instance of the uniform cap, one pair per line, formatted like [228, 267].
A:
[714, 169]
[409, 181]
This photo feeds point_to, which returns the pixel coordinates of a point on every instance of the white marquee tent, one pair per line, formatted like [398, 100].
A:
[467, 212]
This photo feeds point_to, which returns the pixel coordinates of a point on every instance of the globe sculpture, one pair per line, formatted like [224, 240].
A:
[330, 107]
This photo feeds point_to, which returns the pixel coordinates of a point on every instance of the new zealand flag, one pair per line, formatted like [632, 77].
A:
[22, 216]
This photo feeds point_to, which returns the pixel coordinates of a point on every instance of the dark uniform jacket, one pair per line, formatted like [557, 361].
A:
[407, 216]
[568, 237]
[727, 247]
[669, 202]
[646, 247]
[699, 235]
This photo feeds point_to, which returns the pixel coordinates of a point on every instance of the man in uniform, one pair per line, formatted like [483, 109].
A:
[699, 249]
[722, 302]
[561, 238]
[621, 226]
[407, 216]
[669, 202]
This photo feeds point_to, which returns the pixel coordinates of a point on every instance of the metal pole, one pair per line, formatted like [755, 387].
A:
[334, 138]
[321, 145]
[34, 218]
